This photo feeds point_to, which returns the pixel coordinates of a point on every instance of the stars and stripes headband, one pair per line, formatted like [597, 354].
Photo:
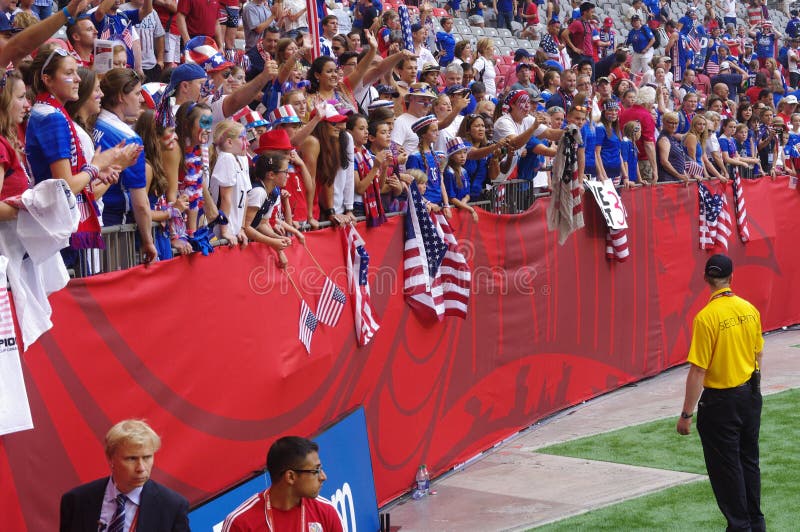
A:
[422, 123]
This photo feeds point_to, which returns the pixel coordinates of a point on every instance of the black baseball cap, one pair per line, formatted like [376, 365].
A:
[719, 266]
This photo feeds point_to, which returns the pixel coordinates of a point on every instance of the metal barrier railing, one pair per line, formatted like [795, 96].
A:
[511, 197]
[121, 252]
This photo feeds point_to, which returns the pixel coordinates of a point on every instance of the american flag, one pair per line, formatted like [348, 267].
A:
[330, 304]
[6, 321]
[739, 209]
[437, 277]
[405, 27]
[308, 324]
[313, 28]
[617, 245]
[715, 222]
[366, 321]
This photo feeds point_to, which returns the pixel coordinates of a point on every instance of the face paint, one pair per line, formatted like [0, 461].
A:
[206, 121]
[69, 80]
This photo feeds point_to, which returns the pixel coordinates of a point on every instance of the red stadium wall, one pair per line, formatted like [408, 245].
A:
[206, 348]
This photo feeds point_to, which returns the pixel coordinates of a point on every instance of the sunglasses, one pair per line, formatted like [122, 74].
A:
[56, 51]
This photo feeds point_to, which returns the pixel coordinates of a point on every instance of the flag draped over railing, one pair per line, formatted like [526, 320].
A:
[714, 221]
[366, 321]
[739, 208]
[437, 278]
[313, 27]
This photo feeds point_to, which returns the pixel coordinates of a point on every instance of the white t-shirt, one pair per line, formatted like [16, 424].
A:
[149, 29]
[792, 59]
[489, 75]
[231, 171]
[402, 133]
[344, 182]
[293, 7]
[505, 127]
[730, 8]
[256, 197]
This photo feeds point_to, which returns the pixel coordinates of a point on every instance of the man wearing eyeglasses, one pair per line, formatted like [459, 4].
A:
[292, 502]
[419, 101]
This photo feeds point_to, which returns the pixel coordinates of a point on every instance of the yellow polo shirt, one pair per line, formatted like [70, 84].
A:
[726, 336]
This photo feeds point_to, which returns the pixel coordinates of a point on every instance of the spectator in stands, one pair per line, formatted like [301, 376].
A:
[641, 40]
[694, 143]
[504, 9]
[712, 146]
[151, 41]
[13, 175]
[264, 50]
[445, 42]
[339, 46]
[159, 143]
[642, 111]
[268, 177]
[419, 102]
[81, 37]
[430, 74]
[456, 178]
[432, 162]
[328, 155]
[483, 163]
[370, 172]
[116, 25]
[126, 201]
[230, 179]
[390, 23]
[579, 36]
[295, 18]
[326, 85]
[608, 154]
[52, 142]
[553, 46]
[767, 140]
[167, 13]
[193, 123]
[365, 13]
[330, 28]
[484, 66]
[671, 156]
[354, 41]
[257, 16]
[419, 35]
[565, 93]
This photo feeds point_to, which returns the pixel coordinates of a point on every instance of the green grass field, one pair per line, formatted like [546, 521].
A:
[692, 506]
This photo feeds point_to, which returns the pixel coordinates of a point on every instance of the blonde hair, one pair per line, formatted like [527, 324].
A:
[134, 431]
[419, 176]
[484, 44]
[227, 129]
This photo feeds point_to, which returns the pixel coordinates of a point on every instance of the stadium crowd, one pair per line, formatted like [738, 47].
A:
[211, 119]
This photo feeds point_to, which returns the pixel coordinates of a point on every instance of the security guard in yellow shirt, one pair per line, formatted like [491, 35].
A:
[725, 357]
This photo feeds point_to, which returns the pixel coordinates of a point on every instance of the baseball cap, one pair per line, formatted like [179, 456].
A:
[725, 65]
[330, 114]
[608, 22]
[521, 53]
[431, 67]
[520, 66]
[719, 266]
[791, 99]
[6, 27]
[185, 72]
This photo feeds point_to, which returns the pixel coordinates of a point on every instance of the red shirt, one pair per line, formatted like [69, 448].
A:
[170, 26]
[580, 33]
[752, 93]
[201, 16]
[637, 112]
[15, 181]
[250, 516]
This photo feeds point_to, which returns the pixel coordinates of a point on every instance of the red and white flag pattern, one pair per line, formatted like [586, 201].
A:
[366, 321]
[617, 245]
[715, 224]
[313, 28]
[330, 304]
[307, 326]
[739, 208]
[437, 278]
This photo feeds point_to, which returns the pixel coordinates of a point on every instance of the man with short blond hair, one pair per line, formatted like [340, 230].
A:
[127, 500]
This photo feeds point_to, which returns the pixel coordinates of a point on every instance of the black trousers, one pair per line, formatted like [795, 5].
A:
[728, 422]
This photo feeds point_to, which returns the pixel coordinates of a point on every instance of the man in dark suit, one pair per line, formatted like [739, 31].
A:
[127, 500]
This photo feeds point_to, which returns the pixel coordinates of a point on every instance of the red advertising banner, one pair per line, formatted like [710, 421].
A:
[206, 348]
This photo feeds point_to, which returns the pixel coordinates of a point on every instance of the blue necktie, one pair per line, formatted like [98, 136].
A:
[118, 521]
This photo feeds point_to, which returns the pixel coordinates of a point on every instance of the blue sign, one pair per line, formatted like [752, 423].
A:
[344, 453]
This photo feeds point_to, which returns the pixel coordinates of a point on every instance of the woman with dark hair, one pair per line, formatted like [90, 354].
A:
[121, 104]
[463, 52]
[431, 162]
[14, 178]
[339, 45]
[326, 85]
[608, 155]
[193, 123]
[329, 157]
[170, 229]
[483, 160]
[54, 147]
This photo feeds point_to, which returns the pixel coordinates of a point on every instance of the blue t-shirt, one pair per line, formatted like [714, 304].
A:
[529, 166]
[109, 131]
[428, 164]
[113, 27]
[609, 149]
[688, 24]
[48, 139]
[631, 158]
[588, 136]
[453, 190]
[447, 45]
[639, 38]
[478, 169]
[764, 45]
[505, 6]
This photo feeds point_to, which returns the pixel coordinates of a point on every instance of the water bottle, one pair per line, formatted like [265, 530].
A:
[421, 483]
[426, 478]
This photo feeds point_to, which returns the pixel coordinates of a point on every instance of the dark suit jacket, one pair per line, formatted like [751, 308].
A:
[160, 508]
